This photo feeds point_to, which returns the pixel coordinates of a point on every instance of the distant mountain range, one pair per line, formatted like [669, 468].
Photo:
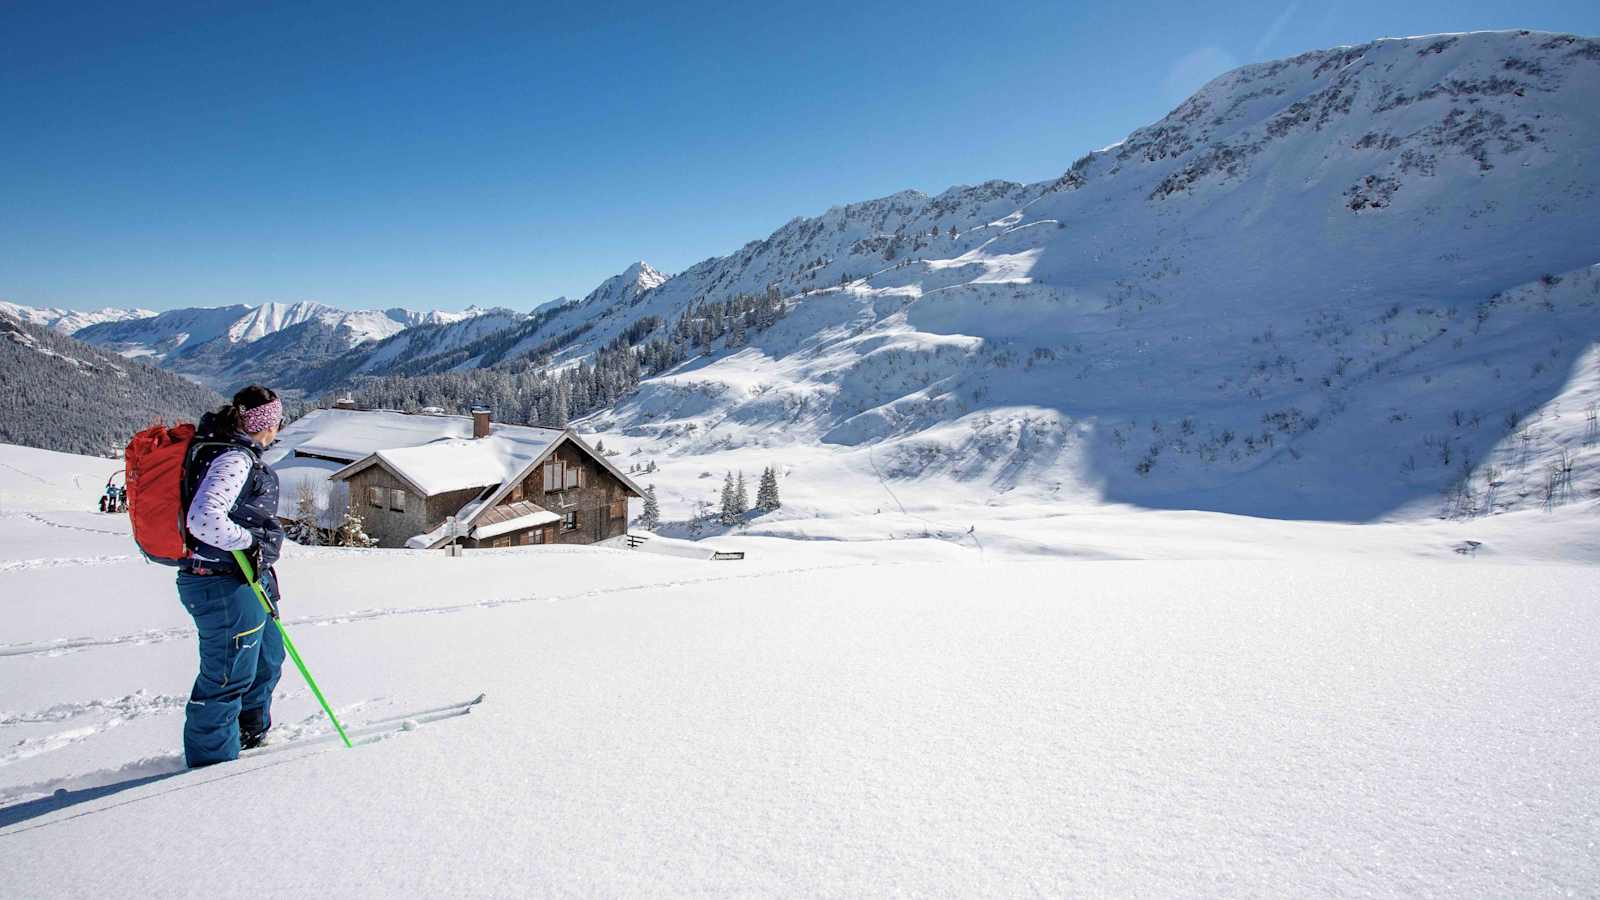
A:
[228, 346]
[1336, 285]
[69, 321]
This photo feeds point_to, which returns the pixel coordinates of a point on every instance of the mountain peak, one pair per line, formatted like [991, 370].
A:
[627, 285]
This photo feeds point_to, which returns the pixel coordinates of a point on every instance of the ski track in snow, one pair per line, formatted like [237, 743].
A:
[27, 473]
[43, 521]
[128, 707]
[303, 735]
[65, 646]
[26, 565]
[123, 709]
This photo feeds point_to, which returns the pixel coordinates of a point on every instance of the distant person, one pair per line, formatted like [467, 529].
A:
[234, 507]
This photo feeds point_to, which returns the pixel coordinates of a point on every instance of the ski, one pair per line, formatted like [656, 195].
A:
[370, 732]
[163, 766]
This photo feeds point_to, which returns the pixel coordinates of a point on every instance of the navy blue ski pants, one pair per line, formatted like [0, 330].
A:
[241, 657]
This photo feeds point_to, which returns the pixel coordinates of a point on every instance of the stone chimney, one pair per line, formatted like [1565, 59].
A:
[480, 422]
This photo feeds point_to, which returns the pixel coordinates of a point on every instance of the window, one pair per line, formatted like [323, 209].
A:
[561, 476]
[397, 500]
[375, 497]
[569, 522]
[536, 536]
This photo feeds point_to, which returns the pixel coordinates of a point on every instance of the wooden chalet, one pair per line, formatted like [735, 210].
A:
[423, 481]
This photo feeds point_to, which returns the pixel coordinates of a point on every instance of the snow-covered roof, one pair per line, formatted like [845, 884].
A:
[435, 453]
[454, 464]
[350, 434]
[517, 516]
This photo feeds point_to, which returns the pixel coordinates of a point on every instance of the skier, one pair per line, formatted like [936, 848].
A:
[233, 506]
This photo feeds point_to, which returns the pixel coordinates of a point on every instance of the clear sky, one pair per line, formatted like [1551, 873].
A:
[440, 154]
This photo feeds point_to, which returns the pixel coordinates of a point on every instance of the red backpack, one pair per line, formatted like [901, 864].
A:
[155, 459]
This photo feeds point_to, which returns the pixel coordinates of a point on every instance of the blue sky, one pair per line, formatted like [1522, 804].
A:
[439, 155]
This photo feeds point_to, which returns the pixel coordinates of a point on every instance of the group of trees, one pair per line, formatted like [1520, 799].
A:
[735, 502]
[527, 390]
[532, 395]
[58, 393]
[736, 498]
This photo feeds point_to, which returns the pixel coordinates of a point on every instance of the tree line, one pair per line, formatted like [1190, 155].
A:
[531, 390]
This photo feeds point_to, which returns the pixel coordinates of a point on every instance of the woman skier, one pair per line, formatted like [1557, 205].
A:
[233, 506]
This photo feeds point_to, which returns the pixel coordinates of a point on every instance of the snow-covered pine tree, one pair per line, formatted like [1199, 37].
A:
[650, 517]
[741, 496]
[767, 492]
[562, 408]
[728, 512]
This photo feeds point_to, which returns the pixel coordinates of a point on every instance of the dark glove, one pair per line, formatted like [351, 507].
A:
[254, 556]
[274, 593]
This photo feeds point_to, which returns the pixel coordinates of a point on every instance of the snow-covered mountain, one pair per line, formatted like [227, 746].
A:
[1340, 285]
[426, 341]
[626, 286]
[69, 321]
[228, 345]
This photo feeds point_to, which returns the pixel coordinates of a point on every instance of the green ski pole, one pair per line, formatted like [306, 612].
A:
[261, 594]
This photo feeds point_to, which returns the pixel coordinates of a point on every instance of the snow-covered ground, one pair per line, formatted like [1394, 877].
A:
[1233, 706]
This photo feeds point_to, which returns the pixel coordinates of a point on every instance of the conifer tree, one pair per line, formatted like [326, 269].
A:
[650, 517]
[741, 496]
[767, 493]
[729, 511]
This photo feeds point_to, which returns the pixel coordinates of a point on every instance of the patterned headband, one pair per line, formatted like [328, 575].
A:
[260, 418]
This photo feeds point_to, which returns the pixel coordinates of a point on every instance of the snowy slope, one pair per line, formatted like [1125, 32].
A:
[1335, 286]
[69, 321]
[822, 718]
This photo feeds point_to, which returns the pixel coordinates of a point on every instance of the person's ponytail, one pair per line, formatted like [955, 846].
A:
[227, 419]
[229, 416]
